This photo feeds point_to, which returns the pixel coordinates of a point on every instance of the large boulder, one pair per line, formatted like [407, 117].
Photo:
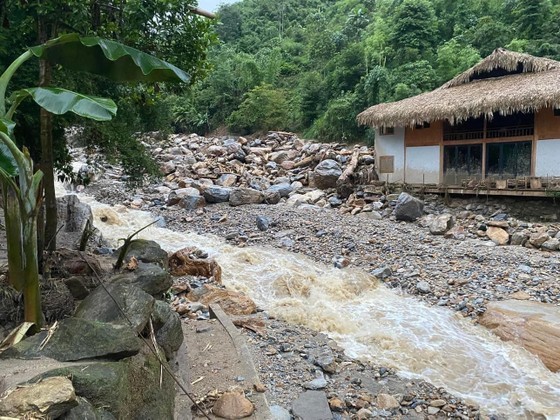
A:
[408, 208]
[136, 304]
[441, 224]
[86, 411]
[497, 235]
[233, 405]
[151, 278]
[284, 189]
[73, 213]
[326, 174]
[78, 339]
[146, 251]
[167, 325]
[533, 325]
[216, 194]
[128, 389]
[242, 196]
[50, 398]
[232, 302]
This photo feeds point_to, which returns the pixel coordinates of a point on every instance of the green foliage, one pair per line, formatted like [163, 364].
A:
[263, 108]
[453, 57]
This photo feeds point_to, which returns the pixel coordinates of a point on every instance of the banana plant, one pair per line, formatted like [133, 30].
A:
[21, 186]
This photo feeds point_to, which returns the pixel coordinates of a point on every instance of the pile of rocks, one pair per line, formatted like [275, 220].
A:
[200, 171]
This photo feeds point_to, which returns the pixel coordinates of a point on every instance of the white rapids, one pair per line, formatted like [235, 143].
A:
[369, 320]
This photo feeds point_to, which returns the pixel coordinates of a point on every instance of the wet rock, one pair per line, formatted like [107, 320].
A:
[263, 223]
[216, 194]
[136, 303]
[387, 402]
[533, 325]
[312, 405]
[146, 251]
[50, 398]
[78, 339]
[189, 261]
[233, 303]
[243, 196]
[326, 174]
[497, 235]
[408, 208]
[441, 224]
[233, 405]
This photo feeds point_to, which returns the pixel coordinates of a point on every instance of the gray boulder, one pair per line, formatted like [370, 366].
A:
[136, 303]
[146, 251]
[312, 405]
[243, 196]
[272, 197]
[167, 325]
[284, 189]
[216, 194]
[78, 339]
[73, 213]
[326, 174]
[408, 208]
[192, 202]
[85, 411]
[151, 278]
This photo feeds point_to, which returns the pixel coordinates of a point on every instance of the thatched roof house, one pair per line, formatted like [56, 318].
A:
[488, 122]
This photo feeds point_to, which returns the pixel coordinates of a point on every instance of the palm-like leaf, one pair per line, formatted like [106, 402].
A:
[8, 164]
[107, 58]
[60, 101]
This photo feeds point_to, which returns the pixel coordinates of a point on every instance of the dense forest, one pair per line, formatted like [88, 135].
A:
[311, 65]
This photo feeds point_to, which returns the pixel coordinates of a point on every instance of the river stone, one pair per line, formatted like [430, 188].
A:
[533, 325]
[128, 389]
[387, 402]
[85, 411]
[136, 303]
[408, 208]
[227, 180]
[284, 189]
[326, 174]
[167, 325]
[233, 405]
[78, 339]
[519, 237]
[151, 278]
[272, 197]
[423, 287]
[243, 196]
[497, 235]
[538, 238]
[441, 224]
[279, 413]
[192, 202]
[146, 251]
[216, 194]
[263, 223]
[312, 405]
[50, 398]
[552, 244]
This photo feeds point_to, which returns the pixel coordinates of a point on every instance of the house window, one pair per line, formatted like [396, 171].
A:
[557, 112]
[423, 125]
[387, 131]
[462, 162]
[508, 160]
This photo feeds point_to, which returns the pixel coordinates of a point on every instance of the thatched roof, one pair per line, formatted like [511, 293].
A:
[536, 85]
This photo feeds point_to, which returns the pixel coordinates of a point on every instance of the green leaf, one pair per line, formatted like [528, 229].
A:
[60, 101]
[108, 58]
[7, 162]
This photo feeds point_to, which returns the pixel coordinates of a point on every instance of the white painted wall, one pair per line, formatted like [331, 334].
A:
[391, 145]
[548, 158]
[422, 162]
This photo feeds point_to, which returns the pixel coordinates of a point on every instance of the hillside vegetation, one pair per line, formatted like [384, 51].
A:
[310, 66]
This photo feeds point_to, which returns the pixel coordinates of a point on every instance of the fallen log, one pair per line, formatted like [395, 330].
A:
[344, 184]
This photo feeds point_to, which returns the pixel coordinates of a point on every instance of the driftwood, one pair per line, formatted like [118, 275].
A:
[308, 160]
[344, 184]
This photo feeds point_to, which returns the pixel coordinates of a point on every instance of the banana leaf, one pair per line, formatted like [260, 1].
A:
[8, 164]
[107, 58]
[60, 101]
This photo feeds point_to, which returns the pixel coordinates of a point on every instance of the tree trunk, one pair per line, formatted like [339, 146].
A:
[344, 184]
